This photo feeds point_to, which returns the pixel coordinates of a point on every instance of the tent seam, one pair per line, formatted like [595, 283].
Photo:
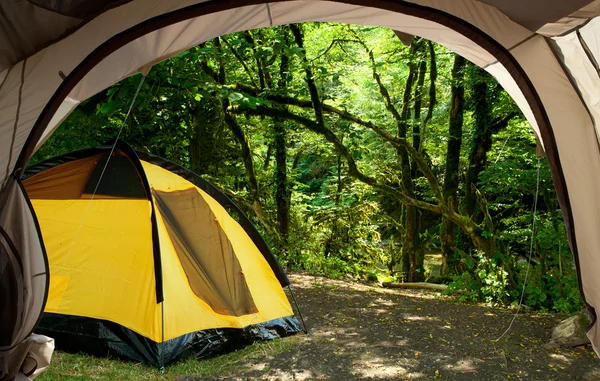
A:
[16, 124]
[588, 52]
[555, 51]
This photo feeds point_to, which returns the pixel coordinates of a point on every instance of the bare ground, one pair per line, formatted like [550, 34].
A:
[365, 332]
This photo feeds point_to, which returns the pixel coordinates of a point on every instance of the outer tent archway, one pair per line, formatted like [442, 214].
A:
[544, 53]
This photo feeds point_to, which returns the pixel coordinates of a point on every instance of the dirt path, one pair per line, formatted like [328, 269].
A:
[367, 332]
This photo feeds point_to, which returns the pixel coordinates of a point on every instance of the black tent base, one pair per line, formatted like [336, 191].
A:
[104, 338]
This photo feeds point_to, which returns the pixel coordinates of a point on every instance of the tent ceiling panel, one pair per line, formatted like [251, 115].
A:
[3, 74]
[591, 36]
[29, 26]
[26, 28]
[81, 9]
[571, 22]
[534, 14]
[583, 72]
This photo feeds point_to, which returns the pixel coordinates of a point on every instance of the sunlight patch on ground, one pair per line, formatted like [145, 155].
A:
[410, 317]
[378, 368]
[464, 366]
[559, 357]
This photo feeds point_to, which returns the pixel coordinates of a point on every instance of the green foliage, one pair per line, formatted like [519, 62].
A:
[485, 280]
[184, 112]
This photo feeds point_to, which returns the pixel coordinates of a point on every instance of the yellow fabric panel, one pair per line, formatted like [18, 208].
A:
[161, 179]
[65, 181]
[184, 311]
[58, 285]
[108, 272]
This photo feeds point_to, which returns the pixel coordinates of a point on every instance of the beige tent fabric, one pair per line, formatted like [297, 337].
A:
[18, 223]
[535, 14]
[568, 98]
[572, 21]
[30, 358]
[591, 35]
[29, 26]
[583, 72]
[18, 36]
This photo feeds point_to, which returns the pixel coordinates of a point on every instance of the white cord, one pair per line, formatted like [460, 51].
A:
[537, 190]
[501, 150]
[101, 175]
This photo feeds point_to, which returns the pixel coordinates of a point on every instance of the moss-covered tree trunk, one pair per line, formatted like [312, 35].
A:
[282, 196]
[450, 189]
[411, 245]
[417, 144]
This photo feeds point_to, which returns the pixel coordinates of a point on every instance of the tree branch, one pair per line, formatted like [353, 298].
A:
[394, 140]
[352, 166]
[312, 87]
[261, 75]
[500, 123]
[241, 60]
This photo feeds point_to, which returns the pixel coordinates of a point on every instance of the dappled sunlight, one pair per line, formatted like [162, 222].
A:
[379, 368]
[363, 332]
[559, 357]
[419, 318]
[463, 366]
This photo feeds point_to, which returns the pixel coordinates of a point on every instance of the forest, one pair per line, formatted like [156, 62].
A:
[358, 152]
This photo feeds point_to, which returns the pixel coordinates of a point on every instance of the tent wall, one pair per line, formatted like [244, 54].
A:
[552, 88]
[23, 278]
[87, 268]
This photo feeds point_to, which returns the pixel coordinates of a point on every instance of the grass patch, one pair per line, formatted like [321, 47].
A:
[68, 366]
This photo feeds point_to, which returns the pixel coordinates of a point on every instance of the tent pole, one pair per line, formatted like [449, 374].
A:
[89, 203]
[162, 342]
[298, 309]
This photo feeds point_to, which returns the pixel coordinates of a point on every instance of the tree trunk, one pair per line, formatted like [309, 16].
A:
[409, 246]
[417, 144]
[452, 161]
[282, 196]
[482, 140]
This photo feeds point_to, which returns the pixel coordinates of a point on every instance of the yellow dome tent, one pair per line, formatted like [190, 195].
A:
[140, 242]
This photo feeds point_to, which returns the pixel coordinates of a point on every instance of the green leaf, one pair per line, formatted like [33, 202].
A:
[234, 97]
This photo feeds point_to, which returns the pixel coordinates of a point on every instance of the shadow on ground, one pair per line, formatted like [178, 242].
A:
[365, 332]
